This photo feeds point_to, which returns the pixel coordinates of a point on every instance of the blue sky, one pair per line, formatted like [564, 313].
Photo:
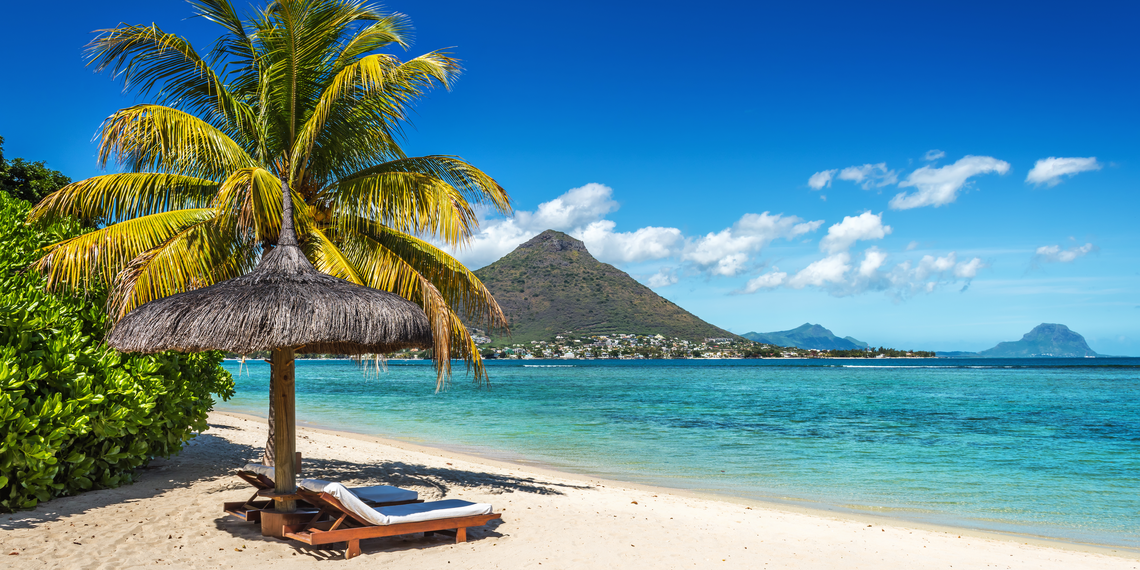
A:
[661, 133]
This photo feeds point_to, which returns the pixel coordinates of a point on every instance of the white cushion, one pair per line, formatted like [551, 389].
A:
[415, 512]
[259, 469]
[385, 494]
[314, 485]
[375, 494]
[434, 510]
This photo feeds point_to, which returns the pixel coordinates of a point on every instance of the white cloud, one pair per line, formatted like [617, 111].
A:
[495, 239]
[930, 264]
[730, 252]
[572, 212]
[838, 275]
[575, 208]
[870, 175]
[931, 272]
[581, 213]
[821, 179]
[908, 279]
[769, 227]
[912, 246]
[933, 154]
[939, 186]
[718, 249]
[1050, 170]
[968, 269]
[647, 243]
[769, 280]
[872, 260]
[831, 269]
[841, 236]
[663, 278]
[727, 252]
[1054, 253]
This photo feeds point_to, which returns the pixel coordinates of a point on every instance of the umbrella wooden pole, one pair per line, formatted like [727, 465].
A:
[284, 383]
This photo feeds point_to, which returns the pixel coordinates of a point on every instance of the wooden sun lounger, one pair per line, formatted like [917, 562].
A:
[250, 510]
[335, 523]
[262, 499]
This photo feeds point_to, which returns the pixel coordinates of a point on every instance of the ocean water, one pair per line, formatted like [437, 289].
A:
[1049, 448]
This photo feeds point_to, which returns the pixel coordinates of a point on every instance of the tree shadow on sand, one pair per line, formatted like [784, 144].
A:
[432, 483]
[207, 457]
[429, 481]
[213, 460]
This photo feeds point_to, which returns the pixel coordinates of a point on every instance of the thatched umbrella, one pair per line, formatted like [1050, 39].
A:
[285, 306]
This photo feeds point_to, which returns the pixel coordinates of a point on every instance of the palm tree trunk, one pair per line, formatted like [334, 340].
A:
[284, 433]
[270, 454]
[286, 235]
[282, 418]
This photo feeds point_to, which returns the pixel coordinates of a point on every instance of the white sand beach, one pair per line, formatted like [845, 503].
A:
[173, 517]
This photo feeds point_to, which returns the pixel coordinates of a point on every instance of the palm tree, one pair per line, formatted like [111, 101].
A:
[302, 95]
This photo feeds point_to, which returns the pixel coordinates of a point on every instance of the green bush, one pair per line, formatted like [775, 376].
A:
[74, 413]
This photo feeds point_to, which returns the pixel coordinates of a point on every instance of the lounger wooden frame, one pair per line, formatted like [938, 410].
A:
[334, 523]
[250, 510]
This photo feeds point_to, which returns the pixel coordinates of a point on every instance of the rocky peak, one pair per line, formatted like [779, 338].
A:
[554, 241]
[1054, 332]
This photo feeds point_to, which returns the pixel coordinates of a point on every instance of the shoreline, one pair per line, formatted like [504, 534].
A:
[790, 506]
[172, 516]
[970, 358]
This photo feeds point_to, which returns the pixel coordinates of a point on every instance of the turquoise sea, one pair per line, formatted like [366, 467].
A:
[1046, 447]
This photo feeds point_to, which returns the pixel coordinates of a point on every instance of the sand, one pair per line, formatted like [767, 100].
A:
[173, 517]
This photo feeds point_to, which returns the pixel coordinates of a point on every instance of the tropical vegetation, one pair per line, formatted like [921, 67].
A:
[303, 94]
[75, 414]
[28, 180]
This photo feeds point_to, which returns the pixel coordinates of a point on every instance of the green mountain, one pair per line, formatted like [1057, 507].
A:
[1046, 339]
[551, 285]
[807, 336]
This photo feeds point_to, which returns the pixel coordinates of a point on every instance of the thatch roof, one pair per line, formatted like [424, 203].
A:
[283, 302]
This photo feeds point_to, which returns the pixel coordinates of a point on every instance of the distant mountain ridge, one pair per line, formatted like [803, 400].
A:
[551, 285]
[1045, 340]
[807, 336]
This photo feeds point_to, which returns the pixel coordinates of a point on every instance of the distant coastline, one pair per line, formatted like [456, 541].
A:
[941, 356]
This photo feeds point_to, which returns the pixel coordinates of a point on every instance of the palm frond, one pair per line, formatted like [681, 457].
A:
[113, 198]
[98, 256]
[149, 59]
[459, 286]
[429, 195]
[328, 258]
[388, 29]
[364, 76]
[250, 200]
[380, 82]
[236, 43]
[409, 202]
[354, 137]
[475, 185]
[415, 277]
[198, 255]
[300, 40]
[162, 139]
[234, 51]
